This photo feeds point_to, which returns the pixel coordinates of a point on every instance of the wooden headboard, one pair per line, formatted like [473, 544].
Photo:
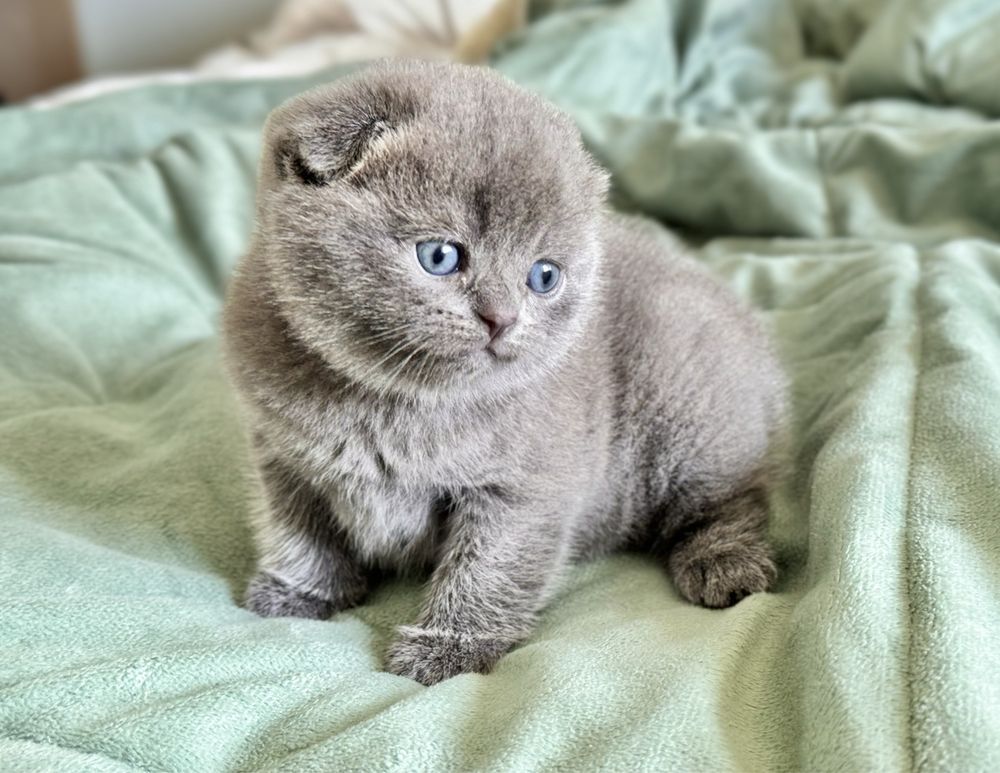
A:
[38, 48]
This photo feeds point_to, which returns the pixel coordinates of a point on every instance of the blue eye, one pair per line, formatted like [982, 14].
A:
[543, 277]
[439, 258]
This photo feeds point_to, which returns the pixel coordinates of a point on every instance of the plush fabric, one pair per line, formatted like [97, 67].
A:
[838, 162]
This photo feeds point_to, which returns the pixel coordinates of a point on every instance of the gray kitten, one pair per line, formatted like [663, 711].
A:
[456, 359]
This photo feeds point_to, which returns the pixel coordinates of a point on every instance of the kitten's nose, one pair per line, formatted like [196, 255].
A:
[497, 321]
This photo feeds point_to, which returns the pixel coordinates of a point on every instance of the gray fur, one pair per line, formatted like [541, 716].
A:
[632, 408]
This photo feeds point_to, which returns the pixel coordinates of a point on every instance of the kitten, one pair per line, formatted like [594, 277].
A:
[454, 358]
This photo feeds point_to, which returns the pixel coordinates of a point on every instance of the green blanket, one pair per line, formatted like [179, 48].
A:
[835, 162]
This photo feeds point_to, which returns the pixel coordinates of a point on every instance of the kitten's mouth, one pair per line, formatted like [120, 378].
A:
[496, 355]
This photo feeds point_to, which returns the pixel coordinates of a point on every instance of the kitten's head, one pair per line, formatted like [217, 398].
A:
[428, 227]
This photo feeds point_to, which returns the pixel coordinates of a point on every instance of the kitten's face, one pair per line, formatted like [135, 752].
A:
[430, 228]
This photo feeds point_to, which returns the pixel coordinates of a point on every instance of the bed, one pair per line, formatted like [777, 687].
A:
[835, 161]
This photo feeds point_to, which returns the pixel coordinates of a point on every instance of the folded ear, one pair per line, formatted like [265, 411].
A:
[324, 135]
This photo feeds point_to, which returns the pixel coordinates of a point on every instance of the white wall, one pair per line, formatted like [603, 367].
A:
[127, 35]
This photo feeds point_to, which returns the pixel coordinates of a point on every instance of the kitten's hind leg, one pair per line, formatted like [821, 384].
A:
[305, 568]
[724, 555]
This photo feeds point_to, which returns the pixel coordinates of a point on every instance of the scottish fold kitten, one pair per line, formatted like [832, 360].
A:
[455, 358]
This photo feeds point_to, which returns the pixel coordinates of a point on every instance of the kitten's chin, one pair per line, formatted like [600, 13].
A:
[476, 374]
[434, 377]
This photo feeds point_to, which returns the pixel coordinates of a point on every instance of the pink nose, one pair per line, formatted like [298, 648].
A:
[497, 321]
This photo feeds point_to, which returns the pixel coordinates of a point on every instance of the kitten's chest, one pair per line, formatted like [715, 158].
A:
[403, 446]
[384, 471]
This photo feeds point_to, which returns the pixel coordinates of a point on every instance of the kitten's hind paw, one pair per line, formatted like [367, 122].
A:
[269, 596]
[429, 657]
[719, 575]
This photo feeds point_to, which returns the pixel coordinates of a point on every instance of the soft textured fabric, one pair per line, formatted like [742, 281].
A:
[836, 161]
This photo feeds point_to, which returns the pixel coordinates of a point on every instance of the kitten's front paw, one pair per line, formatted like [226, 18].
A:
[268, 596]
[721, 577]
[429, 657]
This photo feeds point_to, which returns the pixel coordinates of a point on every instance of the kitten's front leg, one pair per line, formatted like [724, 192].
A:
[305, 569]
[500, 562]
